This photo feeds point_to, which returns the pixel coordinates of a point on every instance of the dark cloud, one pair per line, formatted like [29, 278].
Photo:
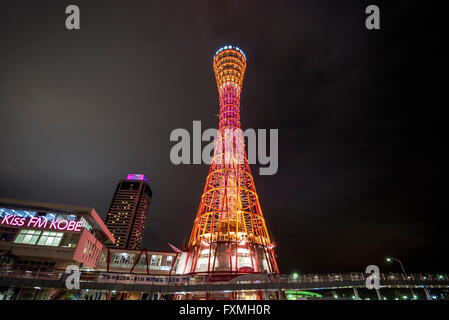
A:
[359, 113]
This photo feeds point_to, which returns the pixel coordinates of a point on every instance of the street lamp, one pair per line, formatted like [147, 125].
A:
[389, 259]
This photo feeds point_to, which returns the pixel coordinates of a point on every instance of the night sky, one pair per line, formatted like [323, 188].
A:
[362, 165]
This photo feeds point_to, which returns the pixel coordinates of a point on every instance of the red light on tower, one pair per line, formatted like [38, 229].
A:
[229, 233]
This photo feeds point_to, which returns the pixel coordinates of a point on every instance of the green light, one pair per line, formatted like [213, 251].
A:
[404, 297]
[388, 259]
[299, 293]
[295, 275]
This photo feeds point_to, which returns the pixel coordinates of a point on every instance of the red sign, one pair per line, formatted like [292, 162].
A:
[36, 222]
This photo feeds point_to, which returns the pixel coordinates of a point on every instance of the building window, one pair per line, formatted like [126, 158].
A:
[49, 238]
[155, 260]
[27, 236]
[169, 260]
[47, 264]
[123, 258]
[86, 246]
[70, 240]
[8, 234]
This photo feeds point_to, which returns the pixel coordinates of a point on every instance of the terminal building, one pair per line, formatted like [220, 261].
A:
[38, 234]
[39, 238]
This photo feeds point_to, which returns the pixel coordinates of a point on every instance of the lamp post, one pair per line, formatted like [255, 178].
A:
[389, 259]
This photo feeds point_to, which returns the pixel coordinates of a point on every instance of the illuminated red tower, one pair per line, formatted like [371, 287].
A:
[230, 234]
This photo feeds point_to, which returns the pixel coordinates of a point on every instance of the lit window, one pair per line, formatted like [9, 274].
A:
[27, 236]
[155, 260]
[49, 238]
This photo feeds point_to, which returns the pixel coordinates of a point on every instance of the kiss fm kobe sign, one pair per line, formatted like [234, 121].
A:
[36, 222]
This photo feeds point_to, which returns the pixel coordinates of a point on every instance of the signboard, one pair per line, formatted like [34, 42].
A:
[142, 279]
[136, 176]
[40, 223]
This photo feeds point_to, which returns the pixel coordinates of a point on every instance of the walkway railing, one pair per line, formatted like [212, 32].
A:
[188, 283]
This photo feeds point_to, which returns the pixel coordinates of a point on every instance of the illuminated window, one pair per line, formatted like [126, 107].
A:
[86, 247]
[49, 238]
[155, 260]
[27, 236]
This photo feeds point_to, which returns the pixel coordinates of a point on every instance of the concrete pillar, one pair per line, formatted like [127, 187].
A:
[427, 293]
[356, 293]
[378, 294]
[9, 294]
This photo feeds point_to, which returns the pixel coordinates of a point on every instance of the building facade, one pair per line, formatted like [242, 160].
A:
[38, 234]
[38, 241]
[128, 212]
[137, 261]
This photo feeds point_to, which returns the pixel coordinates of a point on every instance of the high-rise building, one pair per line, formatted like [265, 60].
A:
[128, 212]
[229, 235]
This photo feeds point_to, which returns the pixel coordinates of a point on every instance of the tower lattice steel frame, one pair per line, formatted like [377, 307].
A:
[229, 233]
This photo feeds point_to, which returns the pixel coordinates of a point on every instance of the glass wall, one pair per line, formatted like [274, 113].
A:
[41, 238]
[27, 236]
[49, 238]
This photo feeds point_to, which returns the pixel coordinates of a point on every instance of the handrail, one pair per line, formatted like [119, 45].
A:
[177, 280]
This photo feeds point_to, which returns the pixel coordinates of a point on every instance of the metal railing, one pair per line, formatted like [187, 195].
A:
[97, 279]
